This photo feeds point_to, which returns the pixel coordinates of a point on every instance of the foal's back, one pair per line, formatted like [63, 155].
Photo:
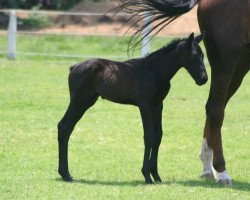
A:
[112, 80]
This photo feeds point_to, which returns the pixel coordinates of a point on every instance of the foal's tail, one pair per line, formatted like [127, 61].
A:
[71, 68]
[161, 12]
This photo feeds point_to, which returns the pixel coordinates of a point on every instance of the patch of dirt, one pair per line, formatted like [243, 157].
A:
[111, 26]
[87, 6]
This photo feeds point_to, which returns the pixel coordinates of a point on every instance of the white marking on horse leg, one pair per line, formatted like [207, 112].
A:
[224, 178]
[206, 156]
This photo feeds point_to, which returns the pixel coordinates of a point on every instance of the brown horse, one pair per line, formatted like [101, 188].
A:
[226, 24]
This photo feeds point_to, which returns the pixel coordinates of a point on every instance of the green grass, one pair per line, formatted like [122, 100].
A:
[106, 148]
[71, 45]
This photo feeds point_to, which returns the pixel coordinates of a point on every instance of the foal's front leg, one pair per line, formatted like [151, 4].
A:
[147, 116]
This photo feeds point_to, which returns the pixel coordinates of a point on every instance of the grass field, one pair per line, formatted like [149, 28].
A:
[106, 148]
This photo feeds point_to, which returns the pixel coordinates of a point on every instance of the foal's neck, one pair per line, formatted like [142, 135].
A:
[166, 65]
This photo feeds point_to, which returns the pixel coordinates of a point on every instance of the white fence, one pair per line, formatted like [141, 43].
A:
[12, 31]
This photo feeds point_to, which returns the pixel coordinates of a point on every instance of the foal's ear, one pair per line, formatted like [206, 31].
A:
[190, 40]
[199, 38]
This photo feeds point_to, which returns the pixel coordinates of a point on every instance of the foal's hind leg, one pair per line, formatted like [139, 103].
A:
[156, 143]
[78, 105]
[147, 116]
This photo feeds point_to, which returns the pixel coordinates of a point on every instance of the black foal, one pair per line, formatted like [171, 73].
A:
[142, 82]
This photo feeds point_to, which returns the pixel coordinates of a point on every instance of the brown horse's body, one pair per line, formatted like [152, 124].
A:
[226, 24]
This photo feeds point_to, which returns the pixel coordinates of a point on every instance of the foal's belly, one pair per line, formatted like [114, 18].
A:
[117, 89]
[116, 97]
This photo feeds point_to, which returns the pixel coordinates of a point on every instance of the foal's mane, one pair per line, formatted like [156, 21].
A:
[165, 49]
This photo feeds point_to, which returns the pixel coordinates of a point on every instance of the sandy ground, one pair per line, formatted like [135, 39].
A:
[182, 26]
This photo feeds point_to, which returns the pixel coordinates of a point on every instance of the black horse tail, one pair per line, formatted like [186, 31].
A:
[161, 12]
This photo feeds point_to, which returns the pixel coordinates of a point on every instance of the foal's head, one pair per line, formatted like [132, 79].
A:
[192, 58]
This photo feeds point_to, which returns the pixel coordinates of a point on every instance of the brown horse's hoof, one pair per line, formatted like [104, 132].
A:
[226, 182]
[208, 176]
[224, 179]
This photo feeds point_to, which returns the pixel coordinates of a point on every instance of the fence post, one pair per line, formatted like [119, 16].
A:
[12, 30]
[146, 39]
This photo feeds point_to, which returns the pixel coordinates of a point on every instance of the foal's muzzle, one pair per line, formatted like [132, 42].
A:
[203, 79]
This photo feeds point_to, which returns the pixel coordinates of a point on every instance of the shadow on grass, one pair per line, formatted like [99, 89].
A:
[107, 183]
[111, 183]
[237, 185]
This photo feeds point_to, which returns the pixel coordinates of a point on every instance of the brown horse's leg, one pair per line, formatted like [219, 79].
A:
[156, 144]
[78, 105]
[212, 142]
[212, 151]
[222, 72]
[241, 70]
[225, 35]
[147, 115]
[239, 74]
[211, 131]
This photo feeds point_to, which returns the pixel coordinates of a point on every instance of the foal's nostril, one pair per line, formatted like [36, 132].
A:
[204, 78]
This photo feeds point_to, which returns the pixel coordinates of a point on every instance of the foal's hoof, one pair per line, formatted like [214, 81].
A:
[225, 182]
[148, 180]
[66, 176]
[208, 176]
[157, 178]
